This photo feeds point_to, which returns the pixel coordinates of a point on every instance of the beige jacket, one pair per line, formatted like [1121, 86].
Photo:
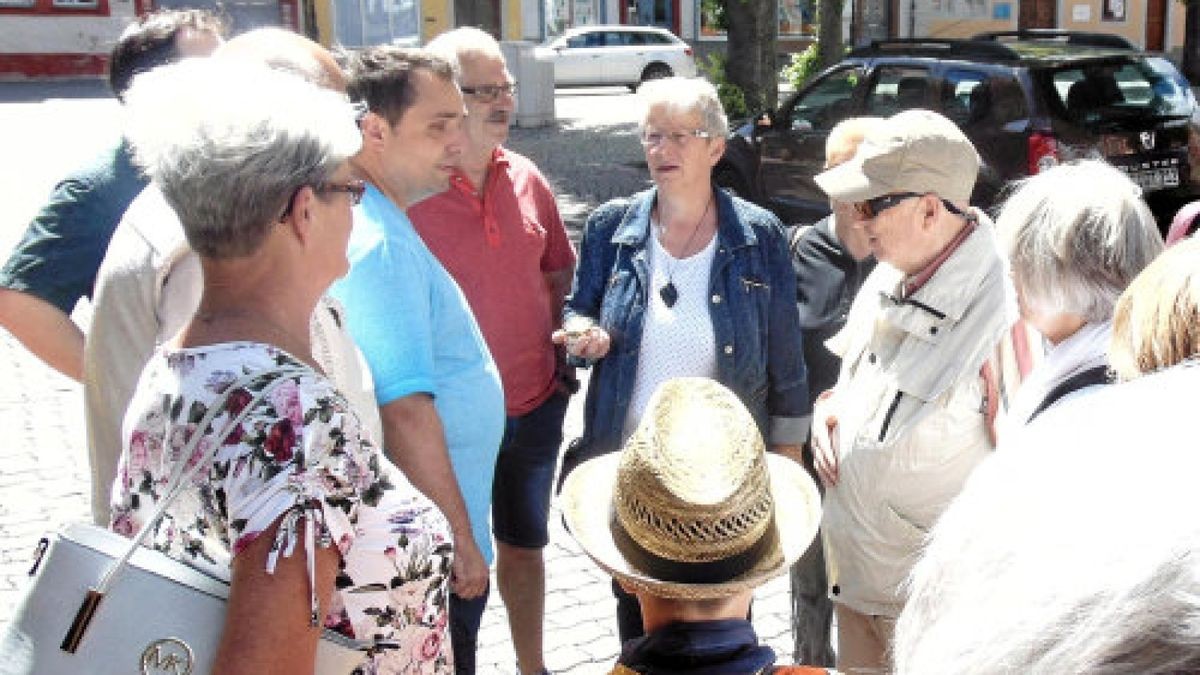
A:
[148, 287]
[909, 404]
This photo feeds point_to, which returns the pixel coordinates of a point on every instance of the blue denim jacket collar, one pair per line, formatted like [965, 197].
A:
[732, 233]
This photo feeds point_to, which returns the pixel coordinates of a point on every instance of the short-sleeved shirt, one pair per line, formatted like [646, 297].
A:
[498, 246]
[417, 333]
[301, 457]
[57, 258]
[148, 287]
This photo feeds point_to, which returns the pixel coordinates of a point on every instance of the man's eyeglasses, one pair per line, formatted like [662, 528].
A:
[355, 188]
[873, 207]
[651, 139]
[486, 93]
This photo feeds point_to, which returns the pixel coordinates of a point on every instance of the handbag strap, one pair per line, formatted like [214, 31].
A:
[182, 474]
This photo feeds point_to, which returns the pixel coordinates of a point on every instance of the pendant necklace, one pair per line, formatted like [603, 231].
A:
[668, 293]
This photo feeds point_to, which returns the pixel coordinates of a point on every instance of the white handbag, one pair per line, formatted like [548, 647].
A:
[103, 604]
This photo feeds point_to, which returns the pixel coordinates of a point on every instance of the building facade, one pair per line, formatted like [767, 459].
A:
[1153, 25]
[72, 38]
[41, 38]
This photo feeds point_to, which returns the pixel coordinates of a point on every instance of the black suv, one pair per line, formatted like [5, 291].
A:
[1027, 99]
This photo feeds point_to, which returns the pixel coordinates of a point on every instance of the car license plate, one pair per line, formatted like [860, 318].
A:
[1155, 179]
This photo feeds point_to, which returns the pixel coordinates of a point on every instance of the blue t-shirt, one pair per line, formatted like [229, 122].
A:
[60, 254]
[417, 332]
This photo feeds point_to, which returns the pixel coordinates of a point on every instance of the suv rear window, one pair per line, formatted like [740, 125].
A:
[1112, 91]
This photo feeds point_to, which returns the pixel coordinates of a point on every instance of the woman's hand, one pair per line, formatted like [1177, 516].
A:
[589, 343]
[824, 439]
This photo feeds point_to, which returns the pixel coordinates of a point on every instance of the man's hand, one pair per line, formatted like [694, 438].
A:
[416, 442]
[590, 343]
[468, 574]
[824, 440]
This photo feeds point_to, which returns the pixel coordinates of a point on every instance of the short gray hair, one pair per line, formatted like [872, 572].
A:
[1052, 560]
[230, 142]
[1076, 235]
[464, 43]
[686, 95]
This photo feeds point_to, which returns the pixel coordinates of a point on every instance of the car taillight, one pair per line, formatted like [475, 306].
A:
[1043, 152]
[687, 50]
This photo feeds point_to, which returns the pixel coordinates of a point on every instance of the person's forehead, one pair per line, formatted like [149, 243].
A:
[478, 66]
[435, 98]
[664, 114]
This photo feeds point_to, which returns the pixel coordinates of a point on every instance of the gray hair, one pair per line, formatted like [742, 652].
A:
[464, 43]
[230, 142]
[1052, 560]
[1076, 235]
[686, 95]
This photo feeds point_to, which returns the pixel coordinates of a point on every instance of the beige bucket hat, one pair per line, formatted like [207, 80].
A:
[692, 507]
[913, 151]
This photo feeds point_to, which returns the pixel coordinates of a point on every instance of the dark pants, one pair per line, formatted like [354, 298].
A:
[812, 610]
[465, 617]
[524, 475]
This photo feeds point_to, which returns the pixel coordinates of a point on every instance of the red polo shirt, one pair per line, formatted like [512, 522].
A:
[498, 245]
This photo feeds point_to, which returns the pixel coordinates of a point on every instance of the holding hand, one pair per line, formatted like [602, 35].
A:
[583, 338]
[824, 440]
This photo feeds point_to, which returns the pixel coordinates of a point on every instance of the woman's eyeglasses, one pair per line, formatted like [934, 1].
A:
[652, 139]
[355, 188]
[873, 207]
[486, 93]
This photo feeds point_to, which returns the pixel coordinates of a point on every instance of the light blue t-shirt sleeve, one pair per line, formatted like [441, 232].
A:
[388, 310]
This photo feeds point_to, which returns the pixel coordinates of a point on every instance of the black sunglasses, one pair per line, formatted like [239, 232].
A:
[873, 207]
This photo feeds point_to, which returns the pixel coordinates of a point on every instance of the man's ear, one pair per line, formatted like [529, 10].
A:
[373, 126]
[930, 206]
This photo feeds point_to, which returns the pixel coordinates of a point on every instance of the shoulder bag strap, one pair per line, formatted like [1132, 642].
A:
[181, 475]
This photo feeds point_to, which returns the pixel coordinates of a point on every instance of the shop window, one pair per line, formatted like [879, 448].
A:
[54, 7]
[796, 18]
[359, 23]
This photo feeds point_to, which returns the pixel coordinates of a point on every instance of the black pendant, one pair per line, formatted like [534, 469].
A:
[669, 294]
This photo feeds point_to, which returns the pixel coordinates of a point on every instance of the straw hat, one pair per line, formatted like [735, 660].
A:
[692, 507]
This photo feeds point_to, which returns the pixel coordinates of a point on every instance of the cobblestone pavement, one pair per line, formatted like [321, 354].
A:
[590, 156]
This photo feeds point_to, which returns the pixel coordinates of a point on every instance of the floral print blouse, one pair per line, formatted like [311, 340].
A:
[300, 457]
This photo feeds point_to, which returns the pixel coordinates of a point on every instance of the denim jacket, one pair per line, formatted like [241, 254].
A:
[752, 303]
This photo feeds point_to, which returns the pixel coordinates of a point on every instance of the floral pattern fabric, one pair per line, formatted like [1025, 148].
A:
[301, 457]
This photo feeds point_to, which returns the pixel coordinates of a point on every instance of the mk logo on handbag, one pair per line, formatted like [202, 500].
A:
[168, 655]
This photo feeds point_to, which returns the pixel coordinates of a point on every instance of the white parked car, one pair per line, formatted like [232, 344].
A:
[626, 55]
